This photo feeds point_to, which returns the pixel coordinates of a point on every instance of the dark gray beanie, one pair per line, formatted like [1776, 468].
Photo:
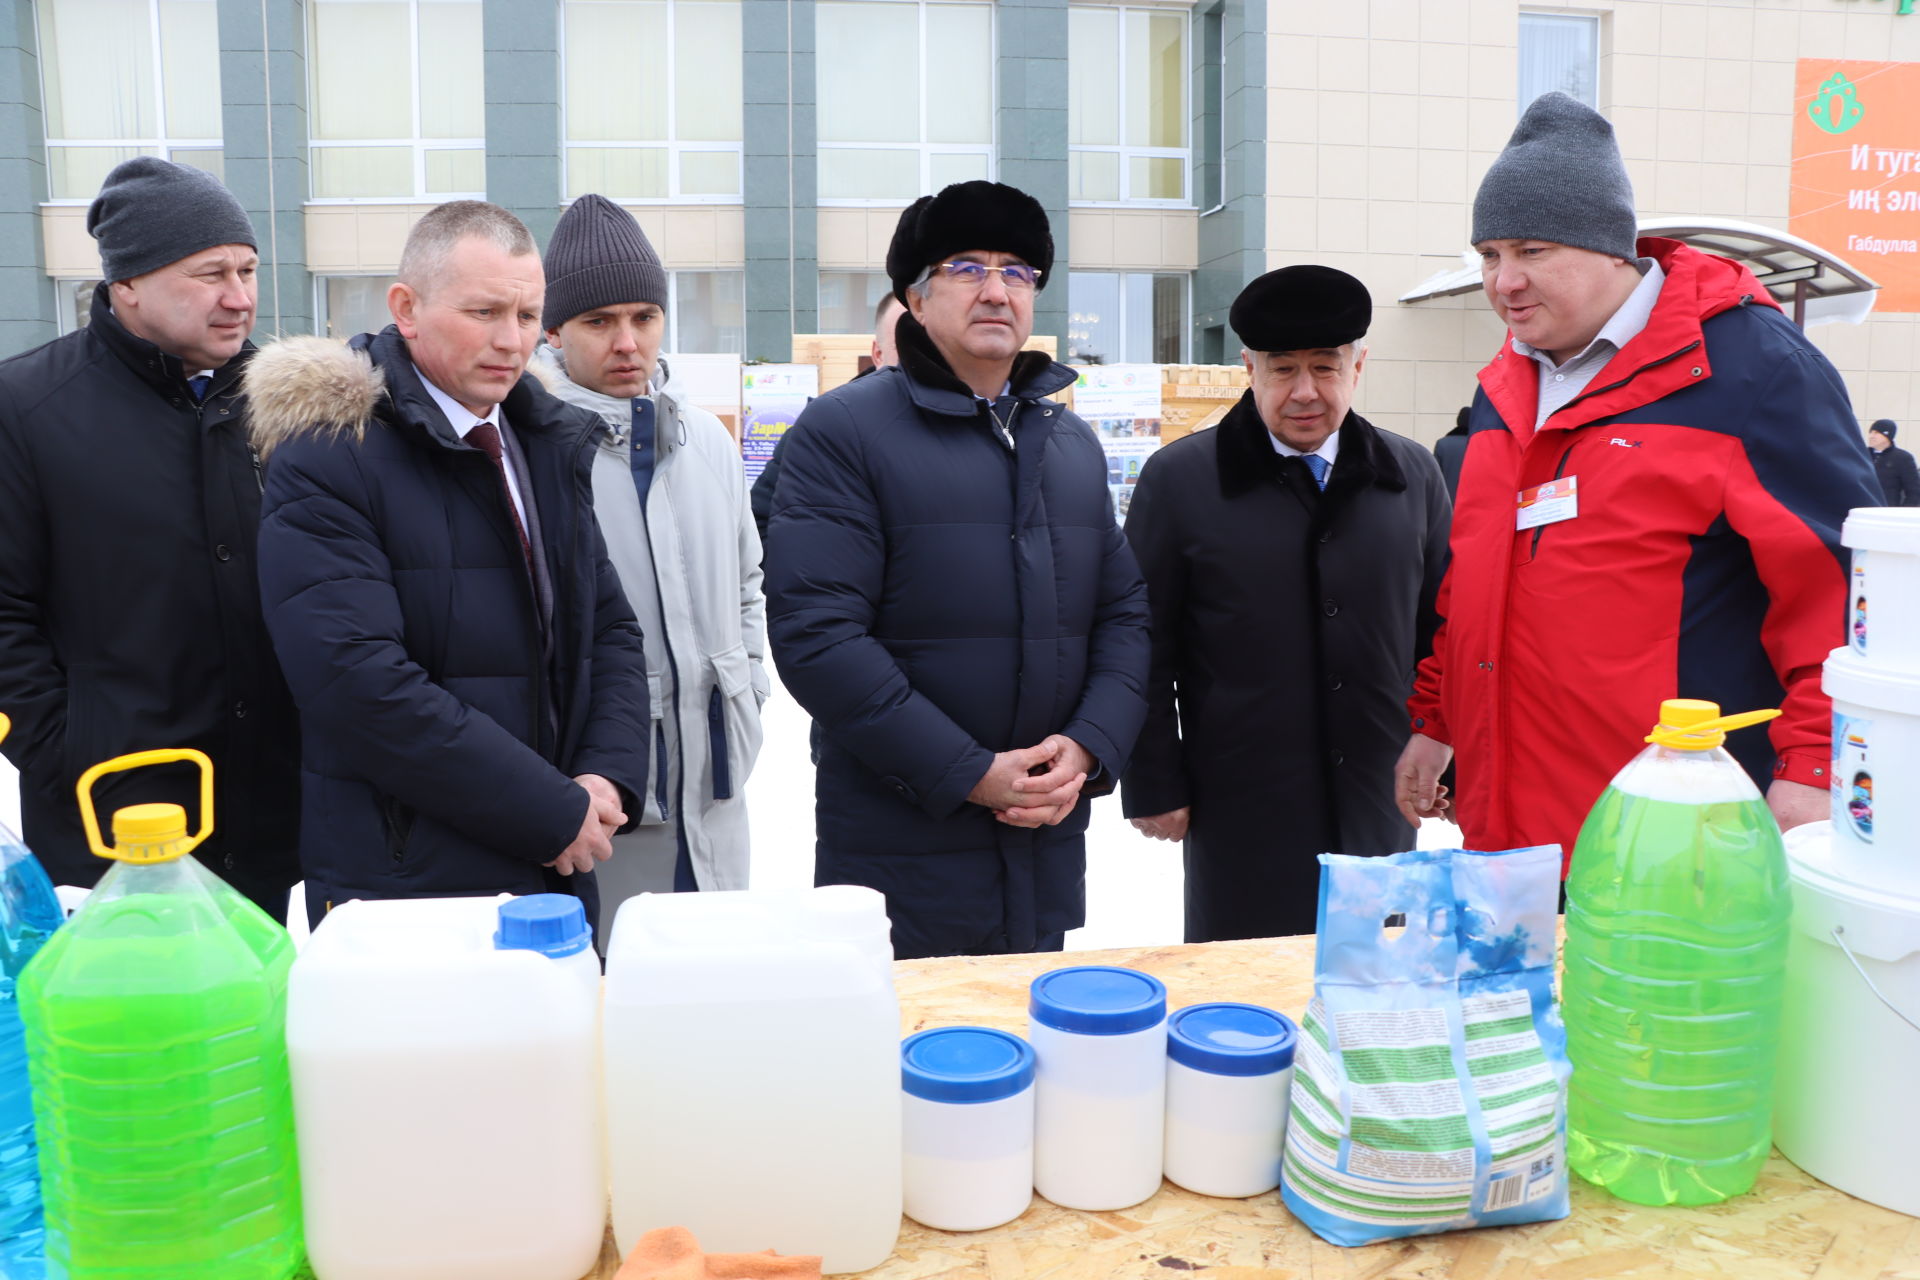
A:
[1886, 427]
[151, 212]
[1559, 179]
[599, 257]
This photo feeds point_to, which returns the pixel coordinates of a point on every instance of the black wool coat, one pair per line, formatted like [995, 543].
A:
[939, 590]
[1899, 478]
[1287, 623]
[129, 609]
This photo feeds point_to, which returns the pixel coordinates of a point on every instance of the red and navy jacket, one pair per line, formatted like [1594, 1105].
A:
[1715, 457]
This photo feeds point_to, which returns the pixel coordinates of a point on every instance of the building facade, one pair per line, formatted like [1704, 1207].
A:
[767, 147]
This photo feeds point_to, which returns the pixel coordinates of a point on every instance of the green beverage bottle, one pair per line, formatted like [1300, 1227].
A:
[1677, 914]
[156, 1039]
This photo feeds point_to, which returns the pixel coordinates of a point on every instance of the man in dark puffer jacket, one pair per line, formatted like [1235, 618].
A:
[948, 596]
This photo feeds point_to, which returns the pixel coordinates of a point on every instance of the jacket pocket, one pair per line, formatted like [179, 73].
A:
[733, 721]
[396, 819]
[656, 807]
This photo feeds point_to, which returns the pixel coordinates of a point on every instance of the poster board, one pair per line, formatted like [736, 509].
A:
[1856, 170]
[1121, 402]
[771, 398]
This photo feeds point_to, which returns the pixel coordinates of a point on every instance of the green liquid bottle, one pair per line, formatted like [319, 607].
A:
[156, 1037]
[1677, 915]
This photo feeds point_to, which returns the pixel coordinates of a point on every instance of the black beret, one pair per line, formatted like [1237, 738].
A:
[989, 216]
[1300, 309]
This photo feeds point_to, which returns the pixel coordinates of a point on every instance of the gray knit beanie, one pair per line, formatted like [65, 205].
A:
[1559, 179]
[599, 257]
[151, 212]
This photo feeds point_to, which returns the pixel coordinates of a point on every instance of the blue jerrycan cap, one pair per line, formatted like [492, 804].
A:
[554, 924]
[1227, 1039]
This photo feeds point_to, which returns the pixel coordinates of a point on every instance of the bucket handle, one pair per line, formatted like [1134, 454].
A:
[1847, 951]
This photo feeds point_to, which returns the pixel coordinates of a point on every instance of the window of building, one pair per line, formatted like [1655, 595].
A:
[397, 108]
[707, 312]
[352, 304]
[1559, 51]
[1126, 317]
[72, 304]
[905, 100]
[123, 78]
[652, 99]
[848, 300]
[1127, 111]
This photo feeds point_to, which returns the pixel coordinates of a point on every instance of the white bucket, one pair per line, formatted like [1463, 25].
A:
[1846, 1109]
[1876, 773]
[1883, 591]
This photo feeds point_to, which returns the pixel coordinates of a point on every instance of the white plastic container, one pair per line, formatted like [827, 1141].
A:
[1229, 1073]
[1099, 1101]
[752, 1065]
[1883, 596]
[967, 1127]
[1846, 1109]
[1876, 772]
[446, 1098]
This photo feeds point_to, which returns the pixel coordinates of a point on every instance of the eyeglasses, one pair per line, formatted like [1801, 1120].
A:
[1015, 275]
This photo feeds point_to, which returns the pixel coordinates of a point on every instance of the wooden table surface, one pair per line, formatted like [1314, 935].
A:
[1790, 1225]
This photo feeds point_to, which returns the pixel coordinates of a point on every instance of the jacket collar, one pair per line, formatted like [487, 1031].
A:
[1667, 355]
[159, 370]
[528, 408]
[550, 367]
[934, 387]
[1247, 459]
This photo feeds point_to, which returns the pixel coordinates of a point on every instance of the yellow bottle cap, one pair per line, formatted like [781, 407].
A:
[1691, 724]
[150, 833]
[6, 726]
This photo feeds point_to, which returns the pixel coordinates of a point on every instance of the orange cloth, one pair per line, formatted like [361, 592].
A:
[672, 1253]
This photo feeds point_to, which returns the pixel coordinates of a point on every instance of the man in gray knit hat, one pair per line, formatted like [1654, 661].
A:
[671, 498]
[129, 500]
[1657, 467]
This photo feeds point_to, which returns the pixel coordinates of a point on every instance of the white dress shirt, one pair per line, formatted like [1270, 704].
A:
[462, 420]
[1329, 449]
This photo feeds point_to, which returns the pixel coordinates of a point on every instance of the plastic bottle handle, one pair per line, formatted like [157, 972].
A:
[139, 760]
[1667, 736]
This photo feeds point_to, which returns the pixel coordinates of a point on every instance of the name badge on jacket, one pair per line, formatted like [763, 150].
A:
[1550, 503]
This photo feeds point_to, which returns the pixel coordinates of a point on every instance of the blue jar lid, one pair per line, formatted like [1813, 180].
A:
[1098, 1000]
[554, 924]
[965, 1064]
[1231, 1039]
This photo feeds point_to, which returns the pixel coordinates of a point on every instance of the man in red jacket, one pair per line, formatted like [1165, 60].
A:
[1660, 465]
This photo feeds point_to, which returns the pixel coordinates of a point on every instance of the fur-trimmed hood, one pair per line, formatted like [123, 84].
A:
[310, 385]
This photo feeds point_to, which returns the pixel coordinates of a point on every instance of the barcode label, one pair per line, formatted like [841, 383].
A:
[1504, 1193]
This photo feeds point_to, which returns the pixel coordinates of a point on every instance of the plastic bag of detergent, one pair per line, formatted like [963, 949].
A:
[1430, 1082]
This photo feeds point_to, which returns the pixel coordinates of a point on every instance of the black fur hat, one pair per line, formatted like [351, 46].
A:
[1301, 308]
[989, 216]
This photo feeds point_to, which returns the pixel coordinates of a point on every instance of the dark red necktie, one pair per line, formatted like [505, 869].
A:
[485, 437]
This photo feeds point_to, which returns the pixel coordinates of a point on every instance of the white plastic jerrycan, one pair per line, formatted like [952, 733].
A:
[752, 1047]
[446, 1091]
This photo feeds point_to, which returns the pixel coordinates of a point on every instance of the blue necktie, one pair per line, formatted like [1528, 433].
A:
[1319, 466]
[642, 460]
[198, 385]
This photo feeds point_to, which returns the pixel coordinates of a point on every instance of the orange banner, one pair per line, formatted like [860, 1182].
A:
[1856, 170]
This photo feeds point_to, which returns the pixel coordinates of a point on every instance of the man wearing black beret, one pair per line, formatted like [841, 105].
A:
[949, 598]
[1292, 556]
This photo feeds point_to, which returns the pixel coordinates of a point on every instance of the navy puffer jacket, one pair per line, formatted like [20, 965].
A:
[439, 742]
[939, 591]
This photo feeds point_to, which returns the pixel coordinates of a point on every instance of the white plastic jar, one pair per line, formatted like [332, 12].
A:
[1229, 1071]
[966, 1127]
[1100, 1037]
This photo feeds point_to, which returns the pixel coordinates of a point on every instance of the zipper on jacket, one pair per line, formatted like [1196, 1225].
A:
[259, 472]
[1558, 472]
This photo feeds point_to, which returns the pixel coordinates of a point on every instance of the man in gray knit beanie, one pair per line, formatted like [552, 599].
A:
[671, 498]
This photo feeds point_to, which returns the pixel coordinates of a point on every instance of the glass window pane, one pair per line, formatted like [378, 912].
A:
[1093, 175]
[190, 67]
[1093, 69]
[75, 173]
[960, 69]
[453, 101]
[709, 173]
[362, 172]
[360, 72]
[869, 88]
[616, 71]
[1558, 51]
[1169, 319]
[869, 175]
[97, 59]
[618, 173]
[1093, 317]
[356, 304]
[706, 66]
[82, 301]
[456, 172]
[848, 299]
[1156, 178]
[1156, 79]
[212, 159]
[945, 170]
[1137, 316]
[710, 312]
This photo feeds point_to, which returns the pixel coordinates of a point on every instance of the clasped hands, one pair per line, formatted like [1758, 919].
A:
[1021, 797]
[595, 841]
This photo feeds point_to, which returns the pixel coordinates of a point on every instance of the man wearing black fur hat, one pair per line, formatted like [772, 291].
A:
[1292, 557]
[950, 600]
